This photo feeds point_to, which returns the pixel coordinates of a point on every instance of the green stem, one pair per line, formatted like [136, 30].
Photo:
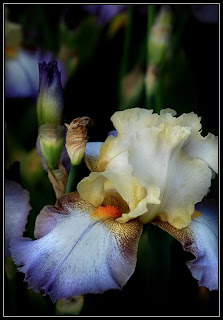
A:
[151, 18]
[11, 276]
[125, 55]
[71, 178]
[150, 101]
[159, 96]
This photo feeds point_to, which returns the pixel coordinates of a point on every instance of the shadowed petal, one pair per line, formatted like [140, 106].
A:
[76, 254]
[92, 153]
[16, 211]
[201, 239]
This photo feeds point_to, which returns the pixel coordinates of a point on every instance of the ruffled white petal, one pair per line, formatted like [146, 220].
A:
[204, 148]
[76, 254]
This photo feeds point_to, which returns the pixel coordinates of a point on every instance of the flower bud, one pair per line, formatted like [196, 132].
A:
[159, 38]
[50, 102]
[151, 79]
[76, 139]
[51, 138]
[132, 86]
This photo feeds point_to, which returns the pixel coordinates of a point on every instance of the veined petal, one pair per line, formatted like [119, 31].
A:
[16, 211]
[92, 152]
[201, 239]
[188, 181]
[132, 120]
[76, 254]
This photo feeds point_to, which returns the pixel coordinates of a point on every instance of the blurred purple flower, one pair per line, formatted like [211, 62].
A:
[105, 12]
[17, 208]
[206, 13]
[22, 73]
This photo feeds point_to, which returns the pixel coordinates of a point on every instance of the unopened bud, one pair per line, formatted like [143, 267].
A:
[51, 138]
[76, 139]
[159, 38]
[50, 102]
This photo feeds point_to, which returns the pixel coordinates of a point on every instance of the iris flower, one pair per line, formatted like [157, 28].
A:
[156, 170]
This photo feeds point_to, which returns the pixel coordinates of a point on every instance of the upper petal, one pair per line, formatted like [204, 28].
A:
[16, 211]
[201, 239]
[204, 148]
[76, 254]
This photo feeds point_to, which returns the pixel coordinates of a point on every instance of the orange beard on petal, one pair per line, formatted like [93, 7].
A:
[107, 212]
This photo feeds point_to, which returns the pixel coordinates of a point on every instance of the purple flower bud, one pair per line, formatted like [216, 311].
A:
[50, 102]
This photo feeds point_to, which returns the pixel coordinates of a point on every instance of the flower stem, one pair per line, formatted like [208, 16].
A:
[151, 16]
[124, 62]
[71, 178]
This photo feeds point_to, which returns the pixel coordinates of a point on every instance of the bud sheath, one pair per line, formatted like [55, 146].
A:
[51, 138]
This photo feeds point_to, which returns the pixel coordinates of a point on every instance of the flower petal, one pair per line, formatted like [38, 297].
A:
[188, 181]
[92, 152]
[201, 239]
[76, 254]
[16, 211]
[204, 148]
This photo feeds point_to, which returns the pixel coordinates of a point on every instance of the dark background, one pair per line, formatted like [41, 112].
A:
[92, 92]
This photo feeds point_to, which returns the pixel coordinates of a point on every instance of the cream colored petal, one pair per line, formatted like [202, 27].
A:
[150, 152]
[76, 254]
[190, 120]
[147, 206]
[188, 181]
[204, 148]
[91, 188]
[92, 152]
[168, 110]
[129, 121]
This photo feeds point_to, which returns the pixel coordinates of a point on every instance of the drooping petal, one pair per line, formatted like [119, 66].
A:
[76, 254]
[201, 239]
[16, 211]
[196, 146]
[92, 152]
